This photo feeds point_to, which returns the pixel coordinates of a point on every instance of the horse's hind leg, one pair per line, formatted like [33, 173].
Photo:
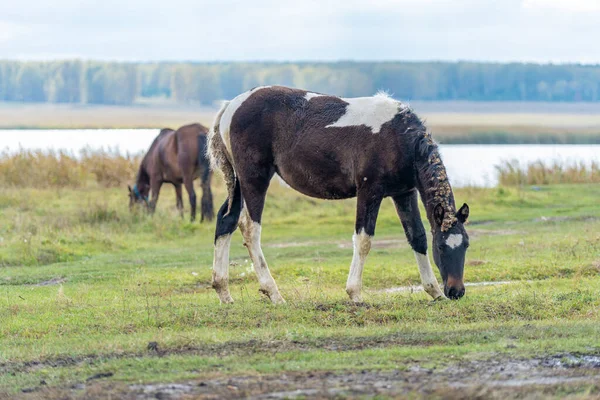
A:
[179, 196]
[367, 208]
[207, 200]
[188, 182]
[227, 220]
[254, 192]
[408, 210]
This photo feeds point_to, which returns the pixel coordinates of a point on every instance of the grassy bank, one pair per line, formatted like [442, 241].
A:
[91, 292]
[459, 127]
[100, 168]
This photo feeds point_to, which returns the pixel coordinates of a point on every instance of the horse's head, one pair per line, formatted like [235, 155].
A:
[449, 248]
[138, 194]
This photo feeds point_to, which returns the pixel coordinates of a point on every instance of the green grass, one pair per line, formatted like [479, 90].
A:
[120, 280]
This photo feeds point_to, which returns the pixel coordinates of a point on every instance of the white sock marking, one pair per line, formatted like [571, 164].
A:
[428, 279]
[252, 231]
[454, 240]
[221, 268]
[362, 245]
[372, 112]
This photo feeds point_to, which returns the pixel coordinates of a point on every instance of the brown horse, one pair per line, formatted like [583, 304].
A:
[175, 157]
[334, 148]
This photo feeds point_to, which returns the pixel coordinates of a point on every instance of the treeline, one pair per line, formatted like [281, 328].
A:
[83, 82]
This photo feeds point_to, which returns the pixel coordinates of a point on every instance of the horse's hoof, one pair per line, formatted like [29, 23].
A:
[226, 299]
[274, 296]
[354, 294]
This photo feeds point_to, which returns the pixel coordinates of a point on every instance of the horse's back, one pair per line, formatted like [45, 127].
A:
[321, 145]
[191, 148]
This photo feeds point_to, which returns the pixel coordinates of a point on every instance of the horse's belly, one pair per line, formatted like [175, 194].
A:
[318, 180]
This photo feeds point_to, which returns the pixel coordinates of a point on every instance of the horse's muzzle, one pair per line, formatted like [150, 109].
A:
[454, 289]
[454, 293]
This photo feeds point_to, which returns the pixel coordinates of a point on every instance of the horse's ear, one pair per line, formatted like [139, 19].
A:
[438, 214]
[129, 187]
[463, 213]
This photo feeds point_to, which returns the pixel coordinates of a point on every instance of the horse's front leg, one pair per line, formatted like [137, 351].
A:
[367, 208]
[407, 207]
[155, 185]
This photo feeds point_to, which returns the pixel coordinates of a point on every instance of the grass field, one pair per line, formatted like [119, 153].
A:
[96, 301]
[451, 122]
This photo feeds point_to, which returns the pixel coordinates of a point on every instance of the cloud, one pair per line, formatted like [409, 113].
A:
[11, 31]
[564, 5]
[488, 30]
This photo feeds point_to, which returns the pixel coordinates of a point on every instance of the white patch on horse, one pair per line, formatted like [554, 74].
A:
[430, 283]
[454, 240]
[362, 245]
[310, 95]
[372, 112]
[221, 268]
[251, 231]
[225, 123]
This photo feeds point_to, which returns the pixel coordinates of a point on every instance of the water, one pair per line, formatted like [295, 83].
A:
[466, 164]
[476, 164]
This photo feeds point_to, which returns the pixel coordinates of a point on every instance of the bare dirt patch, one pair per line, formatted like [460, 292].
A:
[494, 378]
[50, 282]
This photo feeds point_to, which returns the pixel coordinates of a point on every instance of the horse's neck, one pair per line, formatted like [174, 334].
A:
[433, 183]
[143, 177]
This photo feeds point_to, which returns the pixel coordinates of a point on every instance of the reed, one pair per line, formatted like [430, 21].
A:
[512, 173]
[62, 169]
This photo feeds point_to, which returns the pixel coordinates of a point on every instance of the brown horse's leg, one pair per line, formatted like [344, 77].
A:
[207, 200]
[254, 194]
[407, 208]
[367, 208]
[188, 182]
[155, 185]
[179, 198]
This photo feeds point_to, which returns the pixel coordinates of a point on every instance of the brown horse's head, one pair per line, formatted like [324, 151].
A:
[449, 248]
[138, 194]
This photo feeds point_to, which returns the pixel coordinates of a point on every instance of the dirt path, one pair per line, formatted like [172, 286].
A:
[494, 378]
[504, 379]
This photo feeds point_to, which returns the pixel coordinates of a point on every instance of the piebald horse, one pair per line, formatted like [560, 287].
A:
[334, 148]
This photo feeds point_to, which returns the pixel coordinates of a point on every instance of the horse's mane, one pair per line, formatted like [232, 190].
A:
[433, 177]
[142, 171]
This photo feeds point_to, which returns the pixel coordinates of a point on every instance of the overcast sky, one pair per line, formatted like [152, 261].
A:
[317, 30]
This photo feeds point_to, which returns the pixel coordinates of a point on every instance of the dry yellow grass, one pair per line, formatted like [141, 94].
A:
[70, 117]
[537, 173]
[514, 119]
[158, 115]
[44, 169]
[448, 127]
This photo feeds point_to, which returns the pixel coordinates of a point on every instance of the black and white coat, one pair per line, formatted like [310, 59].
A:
[334, 148]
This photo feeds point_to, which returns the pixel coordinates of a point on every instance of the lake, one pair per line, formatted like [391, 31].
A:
[466, 164]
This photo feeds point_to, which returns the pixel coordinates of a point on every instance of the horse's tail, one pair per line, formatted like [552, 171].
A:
[203, 161]
[219, 157]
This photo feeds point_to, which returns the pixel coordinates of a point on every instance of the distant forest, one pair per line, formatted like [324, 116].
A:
[82, 82]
